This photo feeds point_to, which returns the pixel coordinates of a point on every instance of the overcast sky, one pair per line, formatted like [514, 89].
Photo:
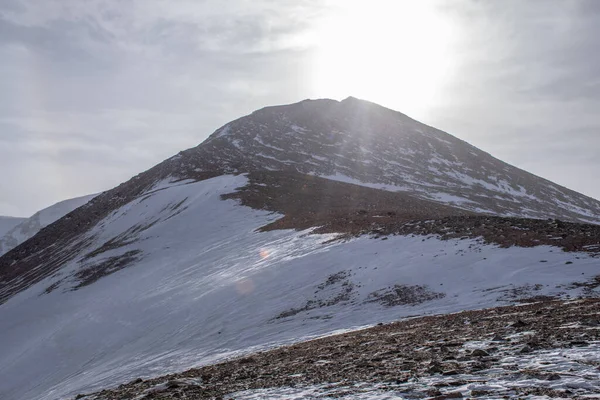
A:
[93, 92]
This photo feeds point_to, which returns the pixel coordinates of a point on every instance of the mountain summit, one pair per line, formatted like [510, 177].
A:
[292, 222]
[363, 143]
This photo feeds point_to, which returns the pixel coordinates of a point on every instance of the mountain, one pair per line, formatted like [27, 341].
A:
[241, 244]
[7, 223]
[22, 229]
[360, 142]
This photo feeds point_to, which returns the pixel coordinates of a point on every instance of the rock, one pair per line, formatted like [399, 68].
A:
[435, 369]
[579, 343]
[479, 353]
[450, 373]
[590, 322]
[453, 395]
[554, 377]
[433, 392]
[525, 349]
[519, 324]
[173, 384]
[498, 338]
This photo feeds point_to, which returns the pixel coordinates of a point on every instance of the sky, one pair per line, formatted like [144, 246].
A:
[93, 92]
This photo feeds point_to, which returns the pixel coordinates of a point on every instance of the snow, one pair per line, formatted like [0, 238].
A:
[346, 179]
[448, 198]
[224, 131]
[208, 286]
[270, 146]
[30, 226]
[298, 129]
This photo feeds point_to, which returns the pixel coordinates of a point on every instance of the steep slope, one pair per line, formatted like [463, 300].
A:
[7, 223]
[202, 283]
[238, 244]
[364, 143]
[29, 227]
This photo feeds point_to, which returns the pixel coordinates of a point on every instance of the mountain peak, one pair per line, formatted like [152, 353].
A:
[362, 142]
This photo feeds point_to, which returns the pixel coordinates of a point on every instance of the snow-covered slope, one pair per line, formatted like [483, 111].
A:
[26, 228]
[7, 223]
[364, 143]
[191, 261]
[179, 277]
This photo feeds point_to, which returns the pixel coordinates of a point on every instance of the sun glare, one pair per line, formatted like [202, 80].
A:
[396, 53]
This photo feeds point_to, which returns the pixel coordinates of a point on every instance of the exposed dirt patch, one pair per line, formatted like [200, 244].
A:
[404, 295]
[590, 287]
[90, 274]
[338, 288]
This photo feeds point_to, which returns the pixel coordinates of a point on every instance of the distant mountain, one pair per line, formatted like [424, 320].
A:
[21, 229]
[277, 228]
[7, 223]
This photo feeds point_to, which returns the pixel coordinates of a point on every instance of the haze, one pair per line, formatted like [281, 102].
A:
[92, 93]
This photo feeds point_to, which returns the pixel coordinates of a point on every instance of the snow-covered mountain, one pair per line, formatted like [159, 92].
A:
[7, 223]
[21, 229]
[218, 251]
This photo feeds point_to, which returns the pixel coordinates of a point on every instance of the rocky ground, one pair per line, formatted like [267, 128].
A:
[308, 201]
[549, 349]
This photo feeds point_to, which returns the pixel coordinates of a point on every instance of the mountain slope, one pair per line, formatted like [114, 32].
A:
[29, 227]
[202, 283]
[7, 223]
[237, 244]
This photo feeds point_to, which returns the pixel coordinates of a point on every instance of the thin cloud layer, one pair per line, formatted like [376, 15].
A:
[93, 92]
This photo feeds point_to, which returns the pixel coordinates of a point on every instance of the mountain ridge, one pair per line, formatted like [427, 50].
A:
[29, 227]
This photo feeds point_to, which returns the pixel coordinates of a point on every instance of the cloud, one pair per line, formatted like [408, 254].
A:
[92, 93]
[528, 85]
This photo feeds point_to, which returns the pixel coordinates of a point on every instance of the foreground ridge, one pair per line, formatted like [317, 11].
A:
[538, 349]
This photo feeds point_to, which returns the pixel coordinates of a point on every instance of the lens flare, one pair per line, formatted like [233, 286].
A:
[264, 253]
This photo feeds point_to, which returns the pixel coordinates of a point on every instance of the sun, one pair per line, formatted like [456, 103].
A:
[394, 52]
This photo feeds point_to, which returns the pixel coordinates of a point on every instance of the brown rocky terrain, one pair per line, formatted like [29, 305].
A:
[308, 201]
[506, 352]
